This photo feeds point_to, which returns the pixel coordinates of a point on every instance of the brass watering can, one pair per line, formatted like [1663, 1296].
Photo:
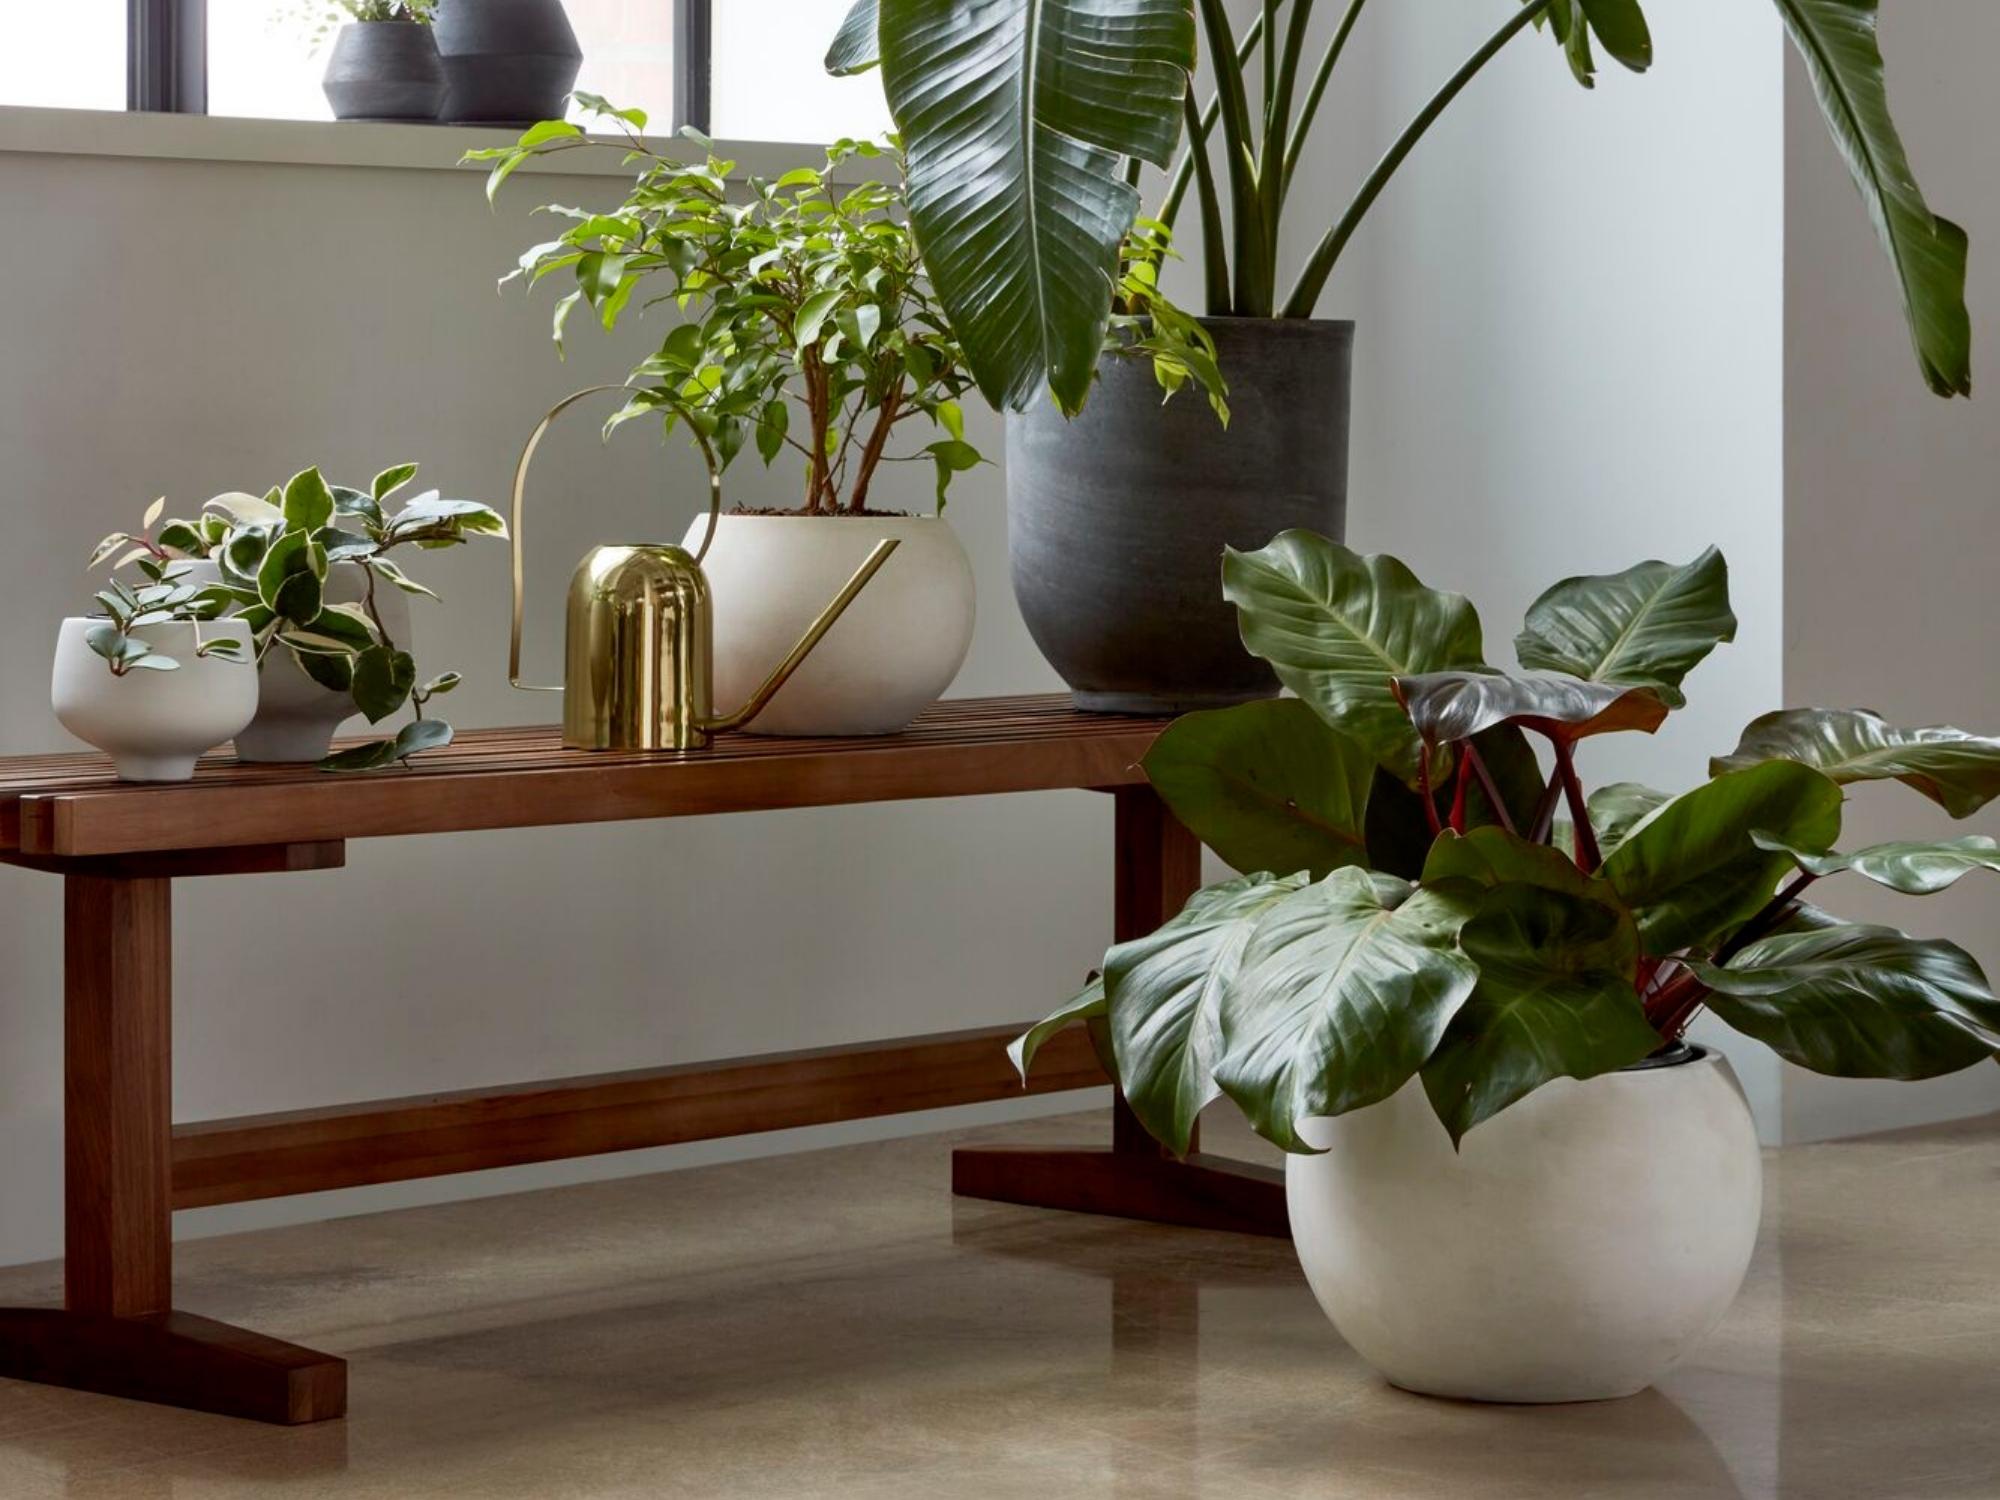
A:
[638, 648]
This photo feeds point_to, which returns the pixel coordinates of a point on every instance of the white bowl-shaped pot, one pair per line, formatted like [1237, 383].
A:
[296, 717]
[1578, 1245]
[891, 655]
[154, 724]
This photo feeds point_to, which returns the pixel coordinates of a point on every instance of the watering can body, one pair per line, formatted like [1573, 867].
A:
[637, 651]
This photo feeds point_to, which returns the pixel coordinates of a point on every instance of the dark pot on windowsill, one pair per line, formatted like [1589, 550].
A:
[1117, 520]
[384, 70]
[506, 62]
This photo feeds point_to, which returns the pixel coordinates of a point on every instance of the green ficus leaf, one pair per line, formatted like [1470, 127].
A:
[1648, 626]
[1958, 771]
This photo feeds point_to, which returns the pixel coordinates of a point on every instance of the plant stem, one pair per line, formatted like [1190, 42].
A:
[1331, 59]
[1461, 782]
[1199, 125]
[1424, 787]
[1214, 248]
[871, 453]
[1478, 763]
[1767, 917]
[1544, 820]
[1587, 857]
[1255, 270]
[1312, 280]
[1280, 79]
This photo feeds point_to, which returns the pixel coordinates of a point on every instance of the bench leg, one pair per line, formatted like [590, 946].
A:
[117, 1332]
[1158, 867]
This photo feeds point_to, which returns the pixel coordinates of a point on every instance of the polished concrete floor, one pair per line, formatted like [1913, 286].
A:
[837, 1325]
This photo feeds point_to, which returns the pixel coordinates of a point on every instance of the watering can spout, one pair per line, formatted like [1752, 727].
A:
[815, 633]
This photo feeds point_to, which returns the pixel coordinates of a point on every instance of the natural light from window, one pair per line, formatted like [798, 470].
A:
[68, 56]
[769, 80]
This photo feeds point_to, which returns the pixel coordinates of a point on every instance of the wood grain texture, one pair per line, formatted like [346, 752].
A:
[304, 1151]
[514, 778]
[178, 864]
[176, 1359]
[117, 1104]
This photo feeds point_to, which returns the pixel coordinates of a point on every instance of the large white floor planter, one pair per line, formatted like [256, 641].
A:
[154, 724]
[889, 657]
[1580, 1243]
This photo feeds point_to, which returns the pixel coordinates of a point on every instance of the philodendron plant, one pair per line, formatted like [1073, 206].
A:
[1414, 904]
[273, 554]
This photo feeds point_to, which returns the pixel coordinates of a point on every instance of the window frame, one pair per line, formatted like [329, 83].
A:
[166, 58]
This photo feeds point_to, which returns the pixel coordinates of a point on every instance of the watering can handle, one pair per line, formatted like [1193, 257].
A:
[520, 499]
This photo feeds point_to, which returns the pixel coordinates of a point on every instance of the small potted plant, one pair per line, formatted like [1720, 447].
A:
[307, 571]
[810, 333]
[1463, 1011]
[150, 676]
[506, 62]
[384, 64]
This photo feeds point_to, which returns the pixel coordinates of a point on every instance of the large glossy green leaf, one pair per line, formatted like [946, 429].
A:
[1016, 116]
[1555, 999]
[1617, 808]
[1449, 706]
[1690, 870]
[1343, 990]
[1086, 1006]
[1914, 869]
[1648, 626]
[854, 49]
[1859, 1002]
[1958, 771]
[1268, 786]
[1339, 627]
[1836, 38]
[1166, 994]
[1494, 857]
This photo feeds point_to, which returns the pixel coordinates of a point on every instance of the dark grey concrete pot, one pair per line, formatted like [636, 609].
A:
[384, 70]
[506, 62]
[1116, 521]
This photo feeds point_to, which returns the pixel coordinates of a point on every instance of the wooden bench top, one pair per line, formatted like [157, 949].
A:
[66, 806]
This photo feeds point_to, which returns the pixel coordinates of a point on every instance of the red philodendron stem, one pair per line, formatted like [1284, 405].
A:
[1587, 857]
[1478, 763]
[1458, 792]
[1424, 787]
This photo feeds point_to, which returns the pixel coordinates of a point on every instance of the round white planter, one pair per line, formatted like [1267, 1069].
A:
[154, 724]
[296, 717]
[1579, 1244]
[891, 655]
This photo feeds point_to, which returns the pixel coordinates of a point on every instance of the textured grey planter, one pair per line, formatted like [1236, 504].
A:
[1116, 521]
[506, 62]
[384, 70]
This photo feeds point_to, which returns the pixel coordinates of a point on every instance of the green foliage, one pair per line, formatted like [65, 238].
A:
[319, 19]
[274, 553]
[162, 597]
[1407, 912]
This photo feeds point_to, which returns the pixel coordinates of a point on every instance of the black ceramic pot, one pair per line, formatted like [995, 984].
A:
[506, 62]
[384, 70]
[1116, 521]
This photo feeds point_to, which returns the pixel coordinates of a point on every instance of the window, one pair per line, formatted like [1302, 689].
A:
[741, 69]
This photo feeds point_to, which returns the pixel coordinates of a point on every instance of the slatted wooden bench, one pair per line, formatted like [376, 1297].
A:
[119, 847]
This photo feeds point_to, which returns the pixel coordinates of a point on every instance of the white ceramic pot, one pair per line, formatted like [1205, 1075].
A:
[1579, 1244]
[296, 717]
[154, 724]
[889, 657]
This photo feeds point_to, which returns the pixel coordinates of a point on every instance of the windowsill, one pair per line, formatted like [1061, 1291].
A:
[325, 143]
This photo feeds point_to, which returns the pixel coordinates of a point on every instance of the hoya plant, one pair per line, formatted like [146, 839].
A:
[166, 595]
[272, 555]
[1419, 900]
[809, 322]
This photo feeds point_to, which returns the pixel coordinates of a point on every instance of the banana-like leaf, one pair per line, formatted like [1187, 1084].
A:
[1016, 118]
[1618, 808]
[1339, 627]
[1648, 626]
[854, 48]
[1914, 869]
[1343, 991]
[1447, 707]
[1859, 1002]
[1836, 38]
[1555, 999]
[1268, 786]
[1958, 771]
[1166, 994]
[1088, 1005]
[1690, 871]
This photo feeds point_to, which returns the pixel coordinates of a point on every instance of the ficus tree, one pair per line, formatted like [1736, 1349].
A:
[1027, 123]
[1421, 899]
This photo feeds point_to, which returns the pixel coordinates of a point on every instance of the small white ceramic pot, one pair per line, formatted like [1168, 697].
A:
[1577, 1246]
[296, 717]
[154, 724]
[891, 655]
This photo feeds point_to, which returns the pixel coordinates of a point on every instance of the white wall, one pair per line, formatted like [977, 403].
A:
[1892, 497]
[183, 327]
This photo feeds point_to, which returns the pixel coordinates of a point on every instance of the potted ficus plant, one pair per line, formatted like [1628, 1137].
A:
[810, 333]
[309, 570]
[1457, 990]
[384, 64]
[1023, 260]
[151, 677]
